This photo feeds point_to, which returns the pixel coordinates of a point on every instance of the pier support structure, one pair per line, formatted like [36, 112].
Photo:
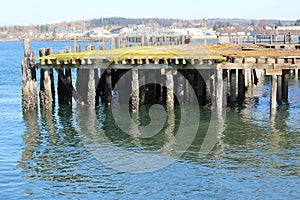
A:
[170, 90]
[107, 90]
[279, 89]
[285, 85]
[241, 84]
[273, 96]
[29, 84]
[64, 84]
[135, 96]
[232, 85]
[46, 98]
[219, 90]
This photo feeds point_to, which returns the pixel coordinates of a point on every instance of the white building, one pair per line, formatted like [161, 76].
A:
[288, 28]
[67, 33]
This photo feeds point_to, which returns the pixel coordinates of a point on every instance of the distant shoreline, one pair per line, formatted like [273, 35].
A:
[51, 40]
[79, 40]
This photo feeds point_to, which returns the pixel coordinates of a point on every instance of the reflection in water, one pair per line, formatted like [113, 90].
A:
[32, 139]
[126, 151]
[75, 151]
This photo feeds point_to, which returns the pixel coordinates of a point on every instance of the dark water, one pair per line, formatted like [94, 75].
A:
[62, 154]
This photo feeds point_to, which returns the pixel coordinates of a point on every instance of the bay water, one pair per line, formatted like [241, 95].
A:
[45, 154]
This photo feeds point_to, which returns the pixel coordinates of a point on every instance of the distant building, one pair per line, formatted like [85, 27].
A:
[98, 33]
[268, 28]
[241, 33]
[67, 33]
[288, 28]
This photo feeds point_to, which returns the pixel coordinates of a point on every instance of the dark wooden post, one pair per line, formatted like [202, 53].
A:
[107, 96]
[279, 89]
[29, 85]
[91, 85]
[68, 73]
[182, 39]
[285, 85]
[186, 86]
[142, 79]
[78, 49]
[200, 88]
[118, 42]
[233, 85]
[241, 84]
[45, 86]
[225, 87]
[180, 86]
[60, 84]
[64, 87]
[112, 42]
[213, 86]
[146, 41]
[167, 41]
[143, 40]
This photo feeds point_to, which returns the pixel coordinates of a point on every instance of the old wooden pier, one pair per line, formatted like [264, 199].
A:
[218, 74]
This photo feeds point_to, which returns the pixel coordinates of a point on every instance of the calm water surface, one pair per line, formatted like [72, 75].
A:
[43, 154]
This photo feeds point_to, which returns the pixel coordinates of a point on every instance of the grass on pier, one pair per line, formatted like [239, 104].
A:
[217, 52]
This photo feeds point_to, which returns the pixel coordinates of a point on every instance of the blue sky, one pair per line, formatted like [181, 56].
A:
[35, 12]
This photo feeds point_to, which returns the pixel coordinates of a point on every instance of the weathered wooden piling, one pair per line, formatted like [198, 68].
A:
[118, 42]
[296, 74]
[107, 90]
[151, 88]
[49, 52]
[212, 87]
[142, 80]
[123, 88]
[46, 99]
[285, 85]
[29, 84]
[112, 43]
[170, 91]
[219, 90]
[179, 86]
[102, 46]
[233, 85]
[273, 96]
[200, 88]
[91, 95]
[279, 89]
[86, 84]
[191, 80]
[143, 40]
[225, 88]
[135, 95]
[64, 84]
[146, 41]
[241, 84]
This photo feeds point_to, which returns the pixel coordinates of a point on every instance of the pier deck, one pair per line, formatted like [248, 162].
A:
[177, 57]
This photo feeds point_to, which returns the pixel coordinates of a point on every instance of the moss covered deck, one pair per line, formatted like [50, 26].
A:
[165, 54]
